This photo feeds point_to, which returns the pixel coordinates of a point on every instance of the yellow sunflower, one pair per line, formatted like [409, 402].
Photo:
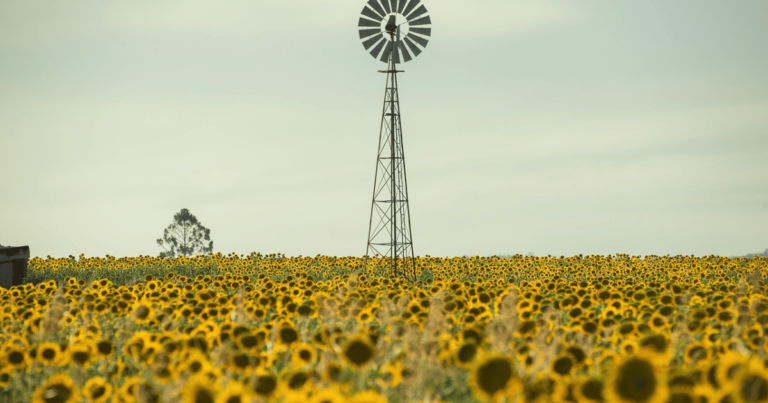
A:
[492, 377]
[304, 354]
[142, 312]
[330, 395]
[589, 391]
[105, 348]
[751, 382]
[358, 351]
[129, 390]
[286, 338]
[637, 379]
[696, 353]
[82, 353]
[97, 390]
[658, 346]
[234, 392]
[728, 366]
[332, 372]
[463, 353]
[726, 316]
[59, 388]
[49, 354]
[264, 385]
[297, 381]
[242, 362]
[193, 363]
[15, 357]
[248, 341]
[199, 388]
[563, 366]
[369, 396]
[5, 377]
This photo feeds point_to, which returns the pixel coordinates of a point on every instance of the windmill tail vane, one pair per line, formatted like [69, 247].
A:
[392, 31]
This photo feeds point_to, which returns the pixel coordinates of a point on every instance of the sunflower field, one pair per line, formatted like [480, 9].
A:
[235, 329]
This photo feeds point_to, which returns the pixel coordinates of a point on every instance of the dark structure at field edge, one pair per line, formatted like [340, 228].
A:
[13, 265]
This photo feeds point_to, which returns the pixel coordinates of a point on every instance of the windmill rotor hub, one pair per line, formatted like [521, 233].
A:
[396, 22]
[405, 21]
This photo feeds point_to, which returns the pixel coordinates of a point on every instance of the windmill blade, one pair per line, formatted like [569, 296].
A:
[401, 6]
[421, 41]
[393, 5]
[372, 15]
[419, 11]
[364, 33]
[416, 51]
[396, 55]
[410, 7]
[364, 22]
[385, 54]
[385, 3]
[421, 21]
[370, 42]
[422, 31]
[377, 49]
[406, 55]
[374, 4]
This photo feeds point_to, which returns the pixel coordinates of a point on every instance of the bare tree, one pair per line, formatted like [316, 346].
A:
[185, 236]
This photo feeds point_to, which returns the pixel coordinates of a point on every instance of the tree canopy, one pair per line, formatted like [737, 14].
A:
[185, 236]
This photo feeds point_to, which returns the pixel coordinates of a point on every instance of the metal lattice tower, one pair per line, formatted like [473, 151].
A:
[389, 228]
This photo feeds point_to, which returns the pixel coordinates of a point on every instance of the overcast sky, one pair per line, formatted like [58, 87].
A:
[552, 127]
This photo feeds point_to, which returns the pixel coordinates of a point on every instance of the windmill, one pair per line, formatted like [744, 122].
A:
[392, 31]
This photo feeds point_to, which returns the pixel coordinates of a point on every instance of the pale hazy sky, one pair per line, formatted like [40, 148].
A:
[552, 127]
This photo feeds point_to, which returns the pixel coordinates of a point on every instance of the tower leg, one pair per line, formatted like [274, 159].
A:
[389, 227]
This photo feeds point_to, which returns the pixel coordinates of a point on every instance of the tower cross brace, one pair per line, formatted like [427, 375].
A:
[389, 235]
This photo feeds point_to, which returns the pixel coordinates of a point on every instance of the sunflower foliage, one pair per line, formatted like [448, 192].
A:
[270, 328]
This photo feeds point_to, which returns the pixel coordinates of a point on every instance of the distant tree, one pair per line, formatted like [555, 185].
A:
[751, 255]
[185, 236]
